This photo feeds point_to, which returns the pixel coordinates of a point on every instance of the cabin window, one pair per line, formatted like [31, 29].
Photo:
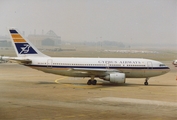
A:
[162, 65]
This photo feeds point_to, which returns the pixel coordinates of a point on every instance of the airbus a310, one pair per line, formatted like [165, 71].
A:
[114, 70]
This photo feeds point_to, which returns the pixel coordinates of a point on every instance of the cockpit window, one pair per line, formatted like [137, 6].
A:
[162, 65]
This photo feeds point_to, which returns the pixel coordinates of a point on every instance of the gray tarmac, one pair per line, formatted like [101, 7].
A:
[29, 94]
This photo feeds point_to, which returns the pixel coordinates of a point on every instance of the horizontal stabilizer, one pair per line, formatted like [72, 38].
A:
[22, 61]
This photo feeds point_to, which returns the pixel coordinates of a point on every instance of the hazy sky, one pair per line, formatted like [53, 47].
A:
[135, 21]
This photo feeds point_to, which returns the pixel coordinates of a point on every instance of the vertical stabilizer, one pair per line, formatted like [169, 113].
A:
[24, 47]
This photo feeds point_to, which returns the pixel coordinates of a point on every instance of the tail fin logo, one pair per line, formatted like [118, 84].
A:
[25, 48]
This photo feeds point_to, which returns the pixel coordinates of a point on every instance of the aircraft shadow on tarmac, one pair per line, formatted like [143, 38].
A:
[44, 82]
[103, 84]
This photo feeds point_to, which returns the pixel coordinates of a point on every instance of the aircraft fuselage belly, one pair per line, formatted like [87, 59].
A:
[129, 73]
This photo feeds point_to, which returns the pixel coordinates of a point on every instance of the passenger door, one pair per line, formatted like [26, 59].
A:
[149, 65]
[49, 63]
[107, 65]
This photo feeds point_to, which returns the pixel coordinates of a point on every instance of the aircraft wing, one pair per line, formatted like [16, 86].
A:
[95, 71]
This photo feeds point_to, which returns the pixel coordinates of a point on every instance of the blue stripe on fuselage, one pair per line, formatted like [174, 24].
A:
[98, 67]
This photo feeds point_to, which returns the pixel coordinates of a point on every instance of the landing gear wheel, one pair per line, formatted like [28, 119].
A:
[145, 83]
[89, 82]
[94, 82]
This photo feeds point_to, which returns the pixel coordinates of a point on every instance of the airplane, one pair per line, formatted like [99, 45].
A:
[114, 70]
[174, 63]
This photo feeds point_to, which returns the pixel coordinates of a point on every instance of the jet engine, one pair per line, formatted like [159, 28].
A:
[115, 77]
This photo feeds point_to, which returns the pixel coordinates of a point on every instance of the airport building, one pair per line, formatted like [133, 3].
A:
[48, 39]
[5, 42]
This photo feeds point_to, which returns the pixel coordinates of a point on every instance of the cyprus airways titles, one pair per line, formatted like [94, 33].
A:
[115, 70]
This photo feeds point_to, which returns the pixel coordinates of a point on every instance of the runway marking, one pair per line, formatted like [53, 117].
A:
[56, 81]
[66, 84]
[75, 85]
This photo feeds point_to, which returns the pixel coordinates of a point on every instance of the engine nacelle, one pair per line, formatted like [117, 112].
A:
[115, 77]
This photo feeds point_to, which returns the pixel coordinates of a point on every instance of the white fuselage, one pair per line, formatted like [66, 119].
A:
[132, 67]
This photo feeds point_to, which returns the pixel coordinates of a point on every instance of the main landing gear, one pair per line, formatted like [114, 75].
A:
[146, 81]
[91, 81]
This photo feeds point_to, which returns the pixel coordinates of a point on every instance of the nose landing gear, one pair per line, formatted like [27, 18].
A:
[146, 81]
